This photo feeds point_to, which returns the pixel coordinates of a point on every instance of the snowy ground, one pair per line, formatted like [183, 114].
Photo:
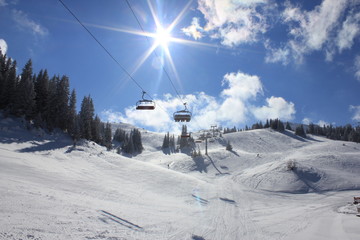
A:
[50, 190]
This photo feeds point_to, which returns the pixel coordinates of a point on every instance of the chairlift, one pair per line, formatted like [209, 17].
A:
[185, 135]
[145, 104]
[182, 115]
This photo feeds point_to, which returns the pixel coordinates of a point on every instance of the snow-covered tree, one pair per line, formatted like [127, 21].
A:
[300, 131]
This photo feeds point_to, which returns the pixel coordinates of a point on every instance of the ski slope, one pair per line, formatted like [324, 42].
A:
[52, 190]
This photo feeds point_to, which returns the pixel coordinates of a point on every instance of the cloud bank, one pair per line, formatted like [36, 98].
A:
[3, 46]
[331, 27]
[233, 22]
[234, 106]
[356, 111]
[23, 21]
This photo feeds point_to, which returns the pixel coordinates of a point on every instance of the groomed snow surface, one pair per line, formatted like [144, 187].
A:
[271, 186]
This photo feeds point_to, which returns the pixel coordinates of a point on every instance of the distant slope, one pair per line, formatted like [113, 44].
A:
[52, 190]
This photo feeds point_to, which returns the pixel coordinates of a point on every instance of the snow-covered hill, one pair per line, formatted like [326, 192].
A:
[51, 190]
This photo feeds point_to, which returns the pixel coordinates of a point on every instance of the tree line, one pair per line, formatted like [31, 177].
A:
[129, 142]
[47, 102]
[343, 133]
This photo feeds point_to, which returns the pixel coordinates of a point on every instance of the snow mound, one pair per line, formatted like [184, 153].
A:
[279, 178]
[303, 176]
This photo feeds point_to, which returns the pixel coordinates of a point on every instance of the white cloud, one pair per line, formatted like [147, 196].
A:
[350, 29]
[3, 3]
[232, 107]
[23, 21]
[356, 110]
[357, 67]
[314, 27]
[194, 30]
[241, 86]
[3, 46]
[277, 55]
[276, 107]
[320, 123]
[233, 22]
[306, 121]
[321, 29]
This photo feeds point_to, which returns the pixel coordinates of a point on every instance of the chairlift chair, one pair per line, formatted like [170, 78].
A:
[185, 135]
[145, 104]
[182, 115]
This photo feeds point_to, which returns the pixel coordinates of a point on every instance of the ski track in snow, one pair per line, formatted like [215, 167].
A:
[50, 190]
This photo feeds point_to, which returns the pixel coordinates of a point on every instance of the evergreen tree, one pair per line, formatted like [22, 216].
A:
[8, 91]
[165, 141]
[4, 72]
[280, 126]
[128, 145]
[120, 135]
[107, 137]
[25, 94]
[136, 137]
[267, 124]
[62, 103]
[311, 128]
[172, 143]
[86, 115]
[288, 127]
[300, 131]
[72, 114]
[274, 124]
[41, 87]
[50, 111]
[96, 130]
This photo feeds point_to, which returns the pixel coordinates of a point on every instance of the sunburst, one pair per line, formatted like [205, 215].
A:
[162, 37]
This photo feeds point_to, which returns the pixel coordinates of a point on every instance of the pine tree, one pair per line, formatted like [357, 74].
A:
[120, 135]
[86, 115]
[76, 132]
[8, 95]
[166, 141]
[41, 87]
[300, 131]
[288, 127]
[128, 145]
[25, 94]
[62, 103]
[138, 147]
[172, 143]
[72, 114]
[267, 124]
[107, 137]
[311, 128]
[50, 110]
[280, 126]
[96, 129]
[4, 72]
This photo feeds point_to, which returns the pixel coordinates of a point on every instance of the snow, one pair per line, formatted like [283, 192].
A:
[52, 190]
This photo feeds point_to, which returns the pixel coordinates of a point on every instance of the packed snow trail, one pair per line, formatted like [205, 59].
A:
[50, 190]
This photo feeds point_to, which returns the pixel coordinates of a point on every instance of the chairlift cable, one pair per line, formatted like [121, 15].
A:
[107, 51]
[147, 38]
[101, 45]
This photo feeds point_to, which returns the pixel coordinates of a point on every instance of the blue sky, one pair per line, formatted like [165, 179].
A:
[234, 62]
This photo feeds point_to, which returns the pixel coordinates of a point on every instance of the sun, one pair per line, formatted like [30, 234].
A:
[162, 37]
